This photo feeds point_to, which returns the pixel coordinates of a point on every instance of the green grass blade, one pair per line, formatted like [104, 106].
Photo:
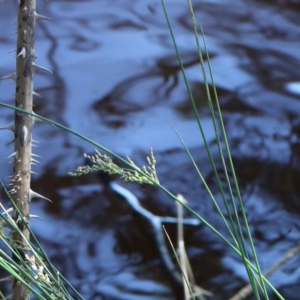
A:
[125, 162]
[239, 237]
[238, 233]
[2, 296]
[39, 253]
[198, 119]
[205, 184]
[237, 228]
[235, 178]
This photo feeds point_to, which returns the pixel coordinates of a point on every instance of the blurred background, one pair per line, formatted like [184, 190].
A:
[116, 80]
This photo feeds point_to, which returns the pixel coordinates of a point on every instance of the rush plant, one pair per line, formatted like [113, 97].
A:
[29, 268]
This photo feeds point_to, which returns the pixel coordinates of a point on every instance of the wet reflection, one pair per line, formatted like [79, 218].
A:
[117, 80]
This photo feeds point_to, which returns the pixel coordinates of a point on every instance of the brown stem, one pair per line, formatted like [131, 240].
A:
[23, 137]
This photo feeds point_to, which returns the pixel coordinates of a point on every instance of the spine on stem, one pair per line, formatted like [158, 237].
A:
[25, 57]
[22, 128]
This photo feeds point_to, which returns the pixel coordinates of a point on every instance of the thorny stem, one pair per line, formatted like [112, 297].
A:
[22, 135]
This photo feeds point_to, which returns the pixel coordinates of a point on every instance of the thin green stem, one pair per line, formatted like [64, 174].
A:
[125, 162]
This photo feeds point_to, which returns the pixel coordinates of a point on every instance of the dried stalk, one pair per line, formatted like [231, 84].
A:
[23, 136]
[22, 128]
[185, 266]
[181, 248]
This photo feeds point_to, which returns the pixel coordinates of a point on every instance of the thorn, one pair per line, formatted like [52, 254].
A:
[14, 33]
[7, 211]
[14, 50]
[10, 142]
[38, 17]
[33, 194]
[37, 94]
[12, 76]
[14, 154]
[35, 155]
[34, 173]
[35, 216]
[12, 191]
[34, 161]
[37, 68]
[8, 278]
[20, 220]
[35, 119]
[22, 53]
[10, 127]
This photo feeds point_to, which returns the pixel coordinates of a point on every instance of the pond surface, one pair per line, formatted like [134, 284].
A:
[117, 81]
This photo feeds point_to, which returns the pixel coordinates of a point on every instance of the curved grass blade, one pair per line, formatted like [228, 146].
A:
[240, 201]
[172, 196]
[238, 231]
[43, 259]
[191, 98]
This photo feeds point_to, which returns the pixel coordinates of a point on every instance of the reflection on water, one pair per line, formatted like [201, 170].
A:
[116, 79]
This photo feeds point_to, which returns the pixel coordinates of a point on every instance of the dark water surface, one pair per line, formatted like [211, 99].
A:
[116, 80]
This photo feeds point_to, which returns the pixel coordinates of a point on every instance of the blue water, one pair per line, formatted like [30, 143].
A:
[117, 80]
